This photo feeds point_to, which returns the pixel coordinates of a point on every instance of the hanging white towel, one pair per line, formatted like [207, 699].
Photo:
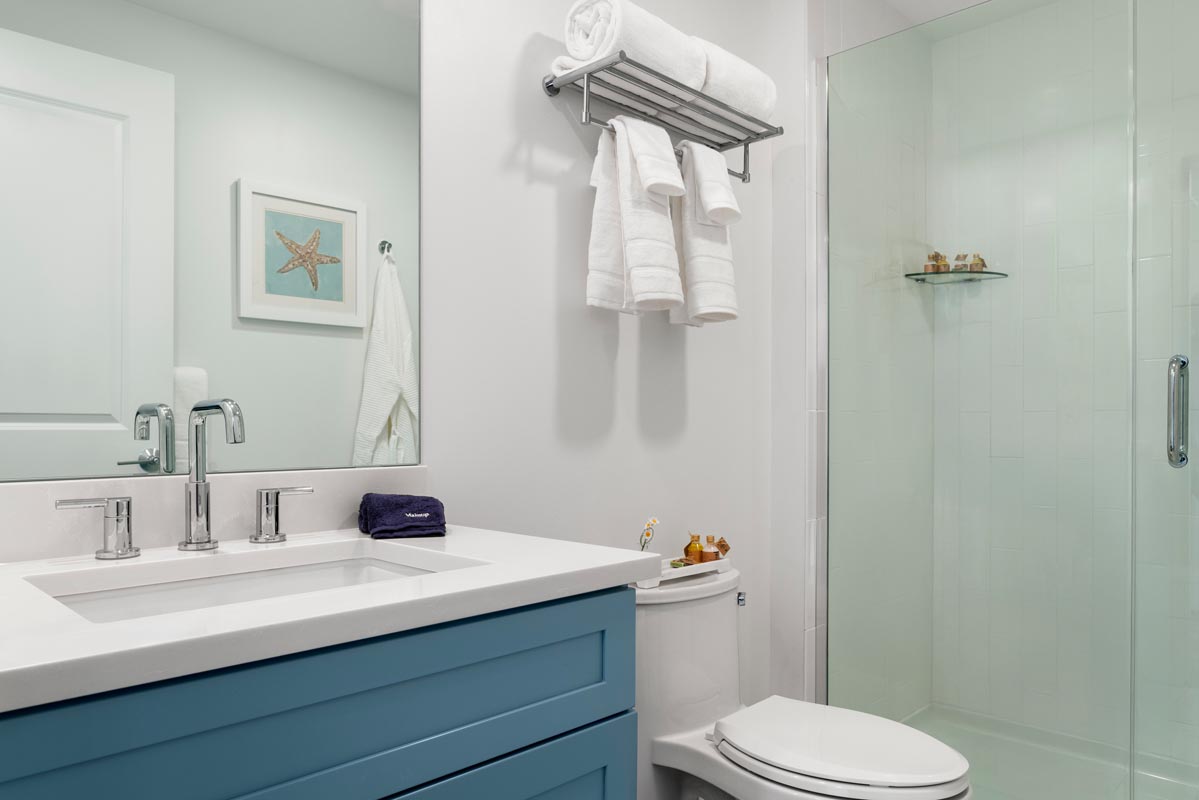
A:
[647, 176]
[605, 252]
[389, 411]
[706, 249]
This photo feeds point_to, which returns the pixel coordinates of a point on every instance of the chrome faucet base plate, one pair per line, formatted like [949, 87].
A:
[193, 546]
[268, 539]
[113, 555]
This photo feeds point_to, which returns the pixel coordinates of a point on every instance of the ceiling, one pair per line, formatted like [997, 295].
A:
[920, 11]
[378, 40]
[945, 21]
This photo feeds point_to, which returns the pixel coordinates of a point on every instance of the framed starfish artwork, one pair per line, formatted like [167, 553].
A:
[301, 256]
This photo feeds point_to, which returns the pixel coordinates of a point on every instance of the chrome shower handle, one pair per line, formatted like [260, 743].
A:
[1177, 398]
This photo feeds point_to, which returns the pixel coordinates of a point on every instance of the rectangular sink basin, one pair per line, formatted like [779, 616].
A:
[136, 590]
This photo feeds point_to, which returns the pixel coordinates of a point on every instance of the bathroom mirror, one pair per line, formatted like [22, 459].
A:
[195, 197]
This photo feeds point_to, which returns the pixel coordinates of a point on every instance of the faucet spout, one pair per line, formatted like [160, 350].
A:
[198, 531]
[197, 441]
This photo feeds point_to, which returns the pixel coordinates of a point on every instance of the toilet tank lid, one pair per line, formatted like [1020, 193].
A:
[693, 588]
[838, 744]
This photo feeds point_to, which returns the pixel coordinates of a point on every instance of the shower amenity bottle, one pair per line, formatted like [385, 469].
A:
[710, 553]
[694, 550]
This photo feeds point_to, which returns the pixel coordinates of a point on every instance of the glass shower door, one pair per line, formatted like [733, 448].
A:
[1166, 670]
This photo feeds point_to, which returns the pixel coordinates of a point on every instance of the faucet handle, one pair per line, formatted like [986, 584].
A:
[267, 529]
[118, 524]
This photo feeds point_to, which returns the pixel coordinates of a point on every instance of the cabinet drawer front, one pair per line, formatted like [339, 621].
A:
[596, 763]
[361, 720]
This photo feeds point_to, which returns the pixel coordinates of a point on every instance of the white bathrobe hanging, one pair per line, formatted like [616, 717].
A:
[389, 412]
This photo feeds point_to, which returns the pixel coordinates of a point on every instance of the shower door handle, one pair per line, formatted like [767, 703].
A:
[1176, 411]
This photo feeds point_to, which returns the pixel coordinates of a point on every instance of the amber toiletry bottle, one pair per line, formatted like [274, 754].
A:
[694, 550]
[710, 551]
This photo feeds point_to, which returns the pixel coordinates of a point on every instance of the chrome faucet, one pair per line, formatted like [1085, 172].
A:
[198, 533]
[161, 458]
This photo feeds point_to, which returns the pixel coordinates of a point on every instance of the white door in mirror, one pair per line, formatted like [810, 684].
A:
[86, 221]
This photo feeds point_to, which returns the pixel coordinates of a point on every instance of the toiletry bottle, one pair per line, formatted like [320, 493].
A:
[710, 552]
[694, 550]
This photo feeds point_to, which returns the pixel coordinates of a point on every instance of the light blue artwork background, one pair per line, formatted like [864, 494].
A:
[296, 283]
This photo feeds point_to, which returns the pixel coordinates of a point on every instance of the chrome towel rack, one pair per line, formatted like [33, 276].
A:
[640, 91]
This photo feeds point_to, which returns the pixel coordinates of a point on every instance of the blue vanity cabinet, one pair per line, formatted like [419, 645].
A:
[534, 695]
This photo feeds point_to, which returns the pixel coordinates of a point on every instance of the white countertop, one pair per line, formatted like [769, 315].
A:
[48, 652]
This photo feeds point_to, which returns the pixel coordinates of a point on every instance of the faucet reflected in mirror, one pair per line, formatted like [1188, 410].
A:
[198, 526]
[161, 458]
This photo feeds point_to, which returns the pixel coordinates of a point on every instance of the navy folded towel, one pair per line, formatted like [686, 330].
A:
[400, 516]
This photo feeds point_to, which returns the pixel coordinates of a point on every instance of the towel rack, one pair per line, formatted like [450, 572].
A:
[640, 91]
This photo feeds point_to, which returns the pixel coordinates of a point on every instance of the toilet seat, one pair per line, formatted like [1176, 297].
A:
[839, 753]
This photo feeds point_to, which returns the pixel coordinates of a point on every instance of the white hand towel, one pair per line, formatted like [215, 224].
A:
[707, 252]
[605, 253]
[389, 411]
[650, 258]
[736, 82]
[717, 203]
[596, 29]
[191, 386]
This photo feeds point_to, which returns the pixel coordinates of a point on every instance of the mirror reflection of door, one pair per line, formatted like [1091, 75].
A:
[86, 226]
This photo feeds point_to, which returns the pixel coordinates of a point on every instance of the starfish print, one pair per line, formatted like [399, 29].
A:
[306, 256]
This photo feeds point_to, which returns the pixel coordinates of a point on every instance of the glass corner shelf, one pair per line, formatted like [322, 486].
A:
[961, 276]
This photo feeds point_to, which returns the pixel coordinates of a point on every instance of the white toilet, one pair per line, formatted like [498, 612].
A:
[696, 740]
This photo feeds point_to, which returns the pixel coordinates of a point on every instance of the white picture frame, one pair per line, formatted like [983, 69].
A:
[321, 277]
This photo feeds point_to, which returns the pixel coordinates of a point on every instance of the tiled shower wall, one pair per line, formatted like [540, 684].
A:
[881, 379]
[1029, 156]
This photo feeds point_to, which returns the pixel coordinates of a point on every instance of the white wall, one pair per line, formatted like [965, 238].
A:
[246, 111]
[542, 415]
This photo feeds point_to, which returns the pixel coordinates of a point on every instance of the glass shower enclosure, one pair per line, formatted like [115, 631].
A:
[1013, 530]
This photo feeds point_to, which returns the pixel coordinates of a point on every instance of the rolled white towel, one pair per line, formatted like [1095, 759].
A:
[596, 29]
[735, 82]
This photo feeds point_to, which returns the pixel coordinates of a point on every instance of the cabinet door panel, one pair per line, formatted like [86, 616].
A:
[596, 763]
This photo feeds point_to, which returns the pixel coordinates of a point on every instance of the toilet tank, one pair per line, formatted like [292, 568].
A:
[687, 659]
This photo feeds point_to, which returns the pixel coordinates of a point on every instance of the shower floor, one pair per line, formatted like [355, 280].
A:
[1008, 762]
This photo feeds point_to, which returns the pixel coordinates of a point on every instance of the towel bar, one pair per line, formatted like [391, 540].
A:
[640, 91]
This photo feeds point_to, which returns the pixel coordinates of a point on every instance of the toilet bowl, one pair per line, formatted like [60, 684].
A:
[696, 741]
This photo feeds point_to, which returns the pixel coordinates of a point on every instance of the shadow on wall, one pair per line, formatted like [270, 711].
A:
[588, 339]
